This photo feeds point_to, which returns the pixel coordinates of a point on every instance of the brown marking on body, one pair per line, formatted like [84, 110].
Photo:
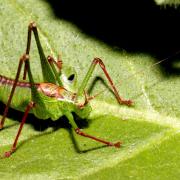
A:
[51, 90]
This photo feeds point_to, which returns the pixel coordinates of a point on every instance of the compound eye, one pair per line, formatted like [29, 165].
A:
[71, 77]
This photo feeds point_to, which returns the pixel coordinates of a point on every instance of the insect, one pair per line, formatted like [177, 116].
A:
[54, 97]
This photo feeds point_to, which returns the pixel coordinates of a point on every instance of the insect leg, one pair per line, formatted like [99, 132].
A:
[46, 69]
[24, 58]
[81, 133]
[88, 75]
[58, 64]
[13, 148]
[87, 99]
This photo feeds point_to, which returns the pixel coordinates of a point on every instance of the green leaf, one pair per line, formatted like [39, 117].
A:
[149, 130]
[174, 3]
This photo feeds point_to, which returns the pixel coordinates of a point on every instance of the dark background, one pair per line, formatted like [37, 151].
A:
[133, 25]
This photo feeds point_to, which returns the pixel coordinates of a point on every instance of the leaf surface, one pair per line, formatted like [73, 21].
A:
[149, 130]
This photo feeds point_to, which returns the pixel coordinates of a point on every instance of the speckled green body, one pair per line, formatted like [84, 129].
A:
[49, 107]
[54, 108]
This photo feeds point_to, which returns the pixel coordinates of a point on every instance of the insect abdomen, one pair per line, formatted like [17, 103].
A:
[22, 95]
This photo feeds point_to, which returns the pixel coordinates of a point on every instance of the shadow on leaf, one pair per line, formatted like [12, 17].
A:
[42, 125]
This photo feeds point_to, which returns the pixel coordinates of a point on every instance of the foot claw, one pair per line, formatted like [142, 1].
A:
[118, 144]
[127, 102]
[7, 154]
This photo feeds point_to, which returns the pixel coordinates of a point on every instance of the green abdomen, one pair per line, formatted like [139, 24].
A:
[22, 94]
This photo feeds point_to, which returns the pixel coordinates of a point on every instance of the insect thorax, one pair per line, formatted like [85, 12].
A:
[55, 91]
[57, 100]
